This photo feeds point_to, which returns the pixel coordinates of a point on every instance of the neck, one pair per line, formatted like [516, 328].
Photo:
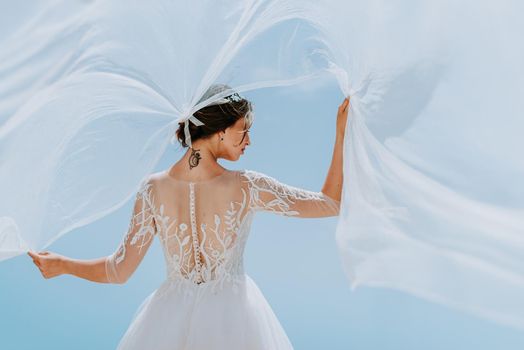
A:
[200, 161]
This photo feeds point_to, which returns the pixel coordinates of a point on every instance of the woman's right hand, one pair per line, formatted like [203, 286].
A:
[342, 117]
[50, 264]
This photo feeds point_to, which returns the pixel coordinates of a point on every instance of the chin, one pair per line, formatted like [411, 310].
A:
[232, 158]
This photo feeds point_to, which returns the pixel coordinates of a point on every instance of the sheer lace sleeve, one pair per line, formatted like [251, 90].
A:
[124, 261]
[269, 194]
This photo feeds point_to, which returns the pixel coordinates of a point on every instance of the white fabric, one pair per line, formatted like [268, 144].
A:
[207, 300]
[187, 135]
[433, 200]
[92, 90]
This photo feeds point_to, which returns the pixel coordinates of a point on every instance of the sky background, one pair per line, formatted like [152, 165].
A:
[294, 261]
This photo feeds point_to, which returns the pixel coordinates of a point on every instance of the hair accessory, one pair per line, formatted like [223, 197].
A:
[187, 134]
[213, 90]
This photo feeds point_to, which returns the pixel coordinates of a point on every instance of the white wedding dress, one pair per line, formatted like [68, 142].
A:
[207, 301]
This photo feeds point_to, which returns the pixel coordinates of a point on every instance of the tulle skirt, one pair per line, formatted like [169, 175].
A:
[182, 315]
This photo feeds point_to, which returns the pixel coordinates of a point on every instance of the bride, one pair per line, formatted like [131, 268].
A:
[201, 213]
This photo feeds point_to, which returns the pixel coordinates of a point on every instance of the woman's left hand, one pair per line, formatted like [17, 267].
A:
[342, 116]
[50, 264]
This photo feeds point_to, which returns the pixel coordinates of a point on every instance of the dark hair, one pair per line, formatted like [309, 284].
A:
[217, 118]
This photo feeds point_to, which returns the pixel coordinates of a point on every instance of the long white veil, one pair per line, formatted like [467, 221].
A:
[433, 200]
[90, 101]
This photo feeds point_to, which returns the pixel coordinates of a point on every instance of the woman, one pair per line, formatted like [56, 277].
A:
[201, 213]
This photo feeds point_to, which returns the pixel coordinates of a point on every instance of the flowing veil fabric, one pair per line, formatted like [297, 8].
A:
[90, 102]
[433, 200]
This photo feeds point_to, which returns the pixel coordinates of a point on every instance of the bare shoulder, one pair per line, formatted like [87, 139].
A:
[151, 182]
[157, 177]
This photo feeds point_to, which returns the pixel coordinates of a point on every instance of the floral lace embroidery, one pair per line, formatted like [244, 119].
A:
[281, 196]
[222, 240]
[217, 246]
[137, 238]
[142, 219]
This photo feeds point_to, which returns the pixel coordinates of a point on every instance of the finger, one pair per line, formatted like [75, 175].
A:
[43, 253]
[343, 105]
[36, 260]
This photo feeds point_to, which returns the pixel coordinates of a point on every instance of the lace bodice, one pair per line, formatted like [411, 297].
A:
[203, 226]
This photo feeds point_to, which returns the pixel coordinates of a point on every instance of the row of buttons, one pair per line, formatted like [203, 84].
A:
[196, 246]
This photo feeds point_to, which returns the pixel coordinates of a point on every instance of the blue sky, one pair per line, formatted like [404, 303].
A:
[293, 261]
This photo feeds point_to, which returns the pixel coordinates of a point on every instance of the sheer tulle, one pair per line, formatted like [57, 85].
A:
[179, 313]
[100, 92]
[433, 200]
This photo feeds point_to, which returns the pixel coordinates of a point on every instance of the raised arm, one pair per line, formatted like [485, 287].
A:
[334, 179]
[269, 194]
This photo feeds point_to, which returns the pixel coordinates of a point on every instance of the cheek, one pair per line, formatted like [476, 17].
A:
[231, 145]
[234, 142]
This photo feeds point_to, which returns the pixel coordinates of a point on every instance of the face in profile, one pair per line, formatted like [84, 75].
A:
[236, 139]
